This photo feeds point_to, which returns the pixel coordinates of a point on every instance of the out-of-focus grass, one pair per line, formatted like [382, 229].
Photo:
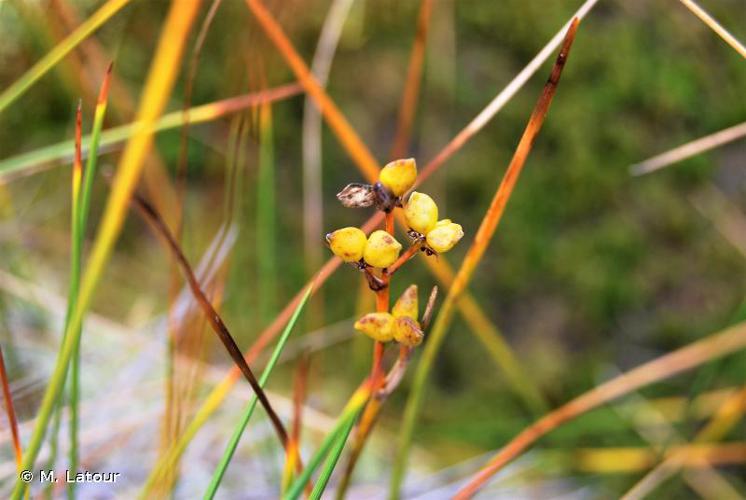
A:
[591, 267]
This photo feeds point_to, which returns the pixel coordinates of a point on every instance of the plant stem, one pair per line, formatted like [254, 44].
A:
[473, 257]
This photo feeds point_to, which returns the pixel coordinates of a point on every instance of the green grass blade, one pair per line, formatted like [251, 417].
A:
[80, 225]
[230, 449]
[331, 462]
[115, 135]
[265, 218]
[59, 51]
[339, 432]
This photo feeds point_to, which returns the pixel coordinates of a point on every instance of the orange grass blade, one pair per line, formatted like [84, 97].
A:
[715, 26]
[474, 256]
[11, 411]
[714, 346]
[157, 89]
[412, 86]
[342, 128]
[292, 456]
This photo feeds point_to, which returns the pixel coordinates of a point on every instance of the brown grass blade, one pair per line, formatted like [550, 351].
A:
[412, 86]
[212, 316]
[714, 346]
[292, 456]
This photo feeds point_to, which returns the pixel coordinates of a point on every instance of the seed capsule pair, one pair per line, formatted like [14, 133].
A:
[394, 180]
[380, 249]
[421, 214]
[400, 325]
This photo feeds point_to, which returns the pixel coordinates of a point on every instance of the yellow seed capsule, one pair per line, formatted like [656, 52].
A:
[347, 243]
[444, 236]
[398, 176]
[407, 332]
[421, 212]
[406, 306]
[382, 249]
[377, 325]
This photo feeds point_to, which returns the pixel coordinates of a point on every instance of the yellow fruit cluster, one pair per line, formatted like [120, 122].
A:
[380, 249]
[400, 324]
[421, 214]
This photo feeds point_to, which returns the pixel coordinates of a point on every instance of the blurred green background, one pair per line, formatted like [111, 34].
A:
[592, 271]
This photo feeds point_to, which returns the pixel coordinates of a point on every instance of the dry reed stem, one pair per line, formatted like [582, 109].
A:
[716, 345]
[411, 92]
[502, 98]
[715, 26]
[689, 149]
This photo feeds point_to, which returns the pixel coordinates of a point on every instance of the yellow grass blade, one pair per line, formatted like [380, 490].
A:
[54, 56]
[163, 72]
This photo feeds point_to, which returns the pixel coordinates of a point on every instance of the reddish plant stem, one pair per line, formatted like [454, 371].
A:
[403, 258]
[10, 409]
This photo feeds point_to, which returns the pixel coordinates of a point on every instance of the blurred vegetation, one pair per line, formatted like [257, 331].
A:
[592, 270]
